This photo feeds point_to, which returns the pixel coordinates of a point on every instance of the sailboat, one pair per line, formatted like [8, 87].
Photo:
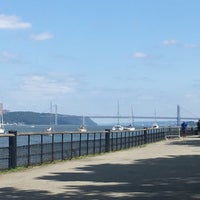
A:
[118, 127]
[82, 127]
[2, 130]
[155, 124]
[130, 127]
[50, 129]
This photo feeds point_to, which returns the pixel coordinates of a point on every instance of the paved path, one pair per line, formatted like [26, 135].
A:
[164, 170]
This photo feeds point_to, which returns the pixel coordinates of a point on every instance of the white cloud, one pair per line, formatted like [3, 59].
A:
[169, 42]
[139, 55]
[8, 57]
[179, 44]
[12, 22]
[42, 36]
[49, 85]
[190, 46]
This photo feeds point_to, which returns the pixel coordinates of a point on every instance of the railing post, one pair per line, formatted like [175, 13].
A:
[87, 144]
[80, 140]
[100, 142]
[41, 153]
[71, 146]
[13, 150]
[52, 148]
[62, 146]
[94, 144]
[145, 136]
[107, 138]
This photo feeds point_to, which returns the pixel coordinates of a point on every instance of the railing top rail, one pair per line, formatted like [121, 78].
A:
[78, 132]
[6, 135]
[58, 132]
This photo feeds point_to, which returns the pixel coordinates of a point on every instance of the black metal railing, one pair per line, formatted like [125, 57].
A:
[26, 149]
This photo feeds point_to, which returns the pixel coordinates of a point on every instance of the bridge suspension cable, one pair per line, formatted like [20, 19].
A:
[189, 112]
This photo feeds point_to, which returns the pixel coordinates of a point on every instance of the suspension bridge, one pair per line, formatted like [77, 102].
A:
[178, 117]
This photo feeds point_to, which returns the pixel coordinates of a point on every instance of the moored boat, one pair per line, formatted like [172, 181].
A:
[82, 127]
[2, 130]
[49, 129]
[117, 127]
[130, 127]
[155, 125]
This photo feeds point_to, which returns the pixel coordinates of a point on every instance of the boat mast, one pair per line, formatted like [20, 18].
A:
[132, 117]
[1, 114]
[56, 115]
[118, 112]
[83, 120]
[51, 113]
[155, 116]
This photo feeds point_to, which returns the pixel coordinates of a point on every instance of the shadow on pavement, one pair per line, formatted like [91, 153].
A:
[175, 177]
[193, 141]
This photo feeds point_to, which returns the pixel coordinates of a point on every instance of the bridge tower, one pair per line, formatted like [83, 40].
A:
[56, 114]
[178, 116]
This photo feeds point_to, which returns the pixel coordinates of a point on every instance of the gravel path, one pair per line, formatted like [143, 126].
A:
[165, 170]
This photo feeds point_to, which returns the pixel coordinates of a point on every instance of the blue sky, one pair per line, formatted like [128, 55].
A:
[85, 56]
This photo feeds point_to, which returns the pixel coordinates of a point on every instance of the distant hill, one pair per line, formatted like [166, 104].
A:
[33, 118]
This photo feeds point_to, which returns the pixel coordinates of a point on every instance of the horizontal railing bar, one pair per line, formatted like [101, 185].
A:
[6, 135]
[75, 132]
[58, 132]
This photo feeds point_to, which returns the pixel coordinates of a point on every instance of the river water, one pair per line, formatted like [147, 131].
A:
[22, 140]
[43, 128]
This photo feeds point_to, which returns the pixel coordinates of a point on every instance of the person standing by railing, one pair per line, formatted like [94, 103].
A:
[183, 128]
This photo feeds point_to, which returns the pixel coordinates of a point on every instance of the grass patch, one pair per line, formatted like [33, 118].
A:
[18, 169]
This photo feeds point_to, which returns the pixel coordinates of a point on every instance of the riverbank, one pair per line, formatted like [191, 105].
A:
[164, 170]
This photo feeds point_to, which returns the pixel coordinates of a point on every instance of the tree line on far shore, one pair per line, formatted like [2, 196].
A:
[34, 118]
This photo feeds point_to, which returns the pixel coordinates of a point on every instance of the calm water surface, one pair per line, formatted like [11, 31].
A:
[22, 140]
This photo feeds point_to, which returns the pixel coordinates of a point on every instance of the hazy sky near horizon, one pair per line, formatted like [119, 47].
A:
[85, 56]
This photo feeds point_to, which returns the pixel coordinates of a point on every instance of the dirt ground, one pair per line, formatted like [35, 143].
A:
[168, 169]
